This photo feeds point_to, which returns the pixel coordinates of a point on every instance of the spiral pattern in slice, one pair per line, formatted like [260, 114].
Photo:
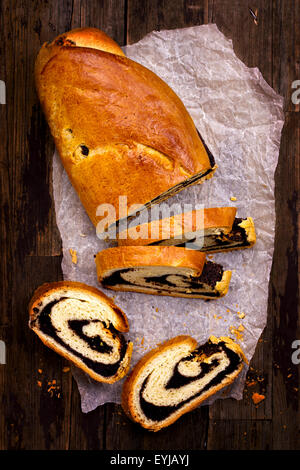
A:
[84, 329]
[177, 377]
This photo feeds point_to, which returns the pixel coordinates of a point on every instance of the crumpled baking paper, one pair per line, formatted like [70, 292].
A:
[240, 118]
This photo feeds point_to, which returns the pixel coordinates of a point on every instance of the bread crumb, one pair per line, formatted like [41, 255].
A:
[66, 369]
[241, 315]
[233, 198]
[40, 371]
[257, 398]
[39, 383]
[73, 254]
[237, 332]
[251, 383]
[53, 389]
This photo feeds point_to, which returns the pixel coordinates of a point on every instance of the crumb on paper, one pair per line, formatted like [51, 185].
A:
[241, 315]
[233, 198]
[73, 254]
[257, 398]
[237, 332]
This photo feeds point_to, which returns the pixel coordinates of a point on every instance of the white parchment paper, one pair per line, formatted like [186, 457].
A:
[240, 118]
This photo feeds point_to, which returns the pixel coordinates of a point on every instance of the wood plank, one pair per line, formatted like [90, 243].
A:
[286, 49]
[252, 43]
[189, 432]
[5, 206]
[155, 15]
[240, 435]
[34, 416]
[5, 338]
[87, 430]
[275, 18]
[285, 309]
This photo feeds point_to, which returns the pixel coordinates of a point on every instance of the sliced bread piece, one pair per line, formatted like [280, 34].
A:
[82, 324]
[210, 230]
[161, 270]
[178, 376]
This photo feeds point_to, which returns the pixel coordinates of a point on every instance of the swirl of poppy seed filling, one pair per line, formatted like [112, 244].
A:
[97, 344]
[140, 277]
[212, 239]
[187, 380]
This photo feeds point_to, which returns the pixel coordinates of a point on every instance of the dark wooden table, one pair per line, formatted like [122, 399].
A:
[36, 413]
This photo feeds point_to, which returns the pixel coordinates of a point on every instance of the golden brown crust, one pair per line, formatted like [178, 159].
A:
[180, 224]
[120, 323]
[140, 138]
[129, 256]
[80, 37]
[129, 384]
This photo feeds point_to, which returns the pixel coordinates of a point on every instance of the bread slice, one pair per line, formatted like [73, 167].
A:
[210, 230]
[178, 376]
[83, 325]
[119, 129]
[161, 270]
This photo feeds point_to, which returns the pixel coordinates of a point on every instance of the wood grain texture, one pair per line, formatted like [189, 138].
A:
[35, 414]
[189, 432]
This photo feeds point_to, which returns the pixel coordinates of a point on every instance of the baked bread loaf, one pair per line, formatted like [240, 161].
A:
[82, 324]
[178, 376]
[210, 230]
[161, 270]
[119, 129]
